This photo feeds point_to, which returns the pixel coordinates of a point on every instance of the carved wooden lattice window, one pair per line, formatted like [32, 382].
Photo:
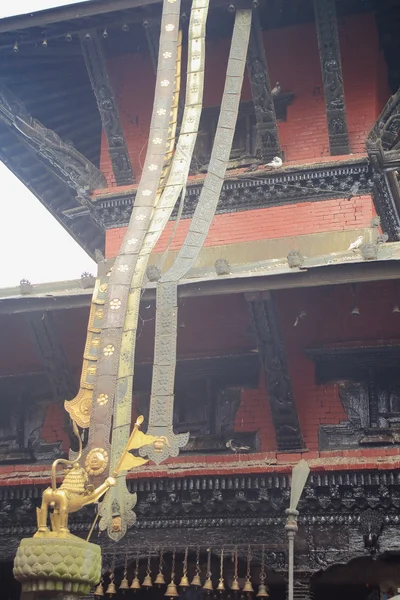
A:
[243, 148]
[369, 389]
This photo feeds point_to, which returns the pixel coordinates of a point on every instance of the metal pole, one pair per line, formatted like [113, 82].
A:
[291, 528]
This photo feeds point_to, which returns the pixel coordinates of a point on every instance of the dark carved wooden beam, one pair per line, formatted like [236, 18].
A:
[64, 160]
[332, 77]
[383, 146]
[267, 138]
[277, 377]
[55, 362]
[153, 30]
[102, 87]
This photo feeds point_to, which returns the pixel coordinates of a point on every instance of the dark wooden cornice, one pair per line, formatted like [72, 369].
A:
[249, 191]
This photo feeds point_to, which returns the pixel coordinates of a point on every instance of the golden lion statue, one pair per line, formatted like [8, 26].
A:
[73, 493]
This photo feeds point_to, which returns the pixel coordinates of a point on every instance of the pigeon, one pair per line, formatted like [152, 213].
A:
[236, 448]
[252, 167]
[275, 163]
[354, 190]
[276, 90]
[356, 244]
[382, 238]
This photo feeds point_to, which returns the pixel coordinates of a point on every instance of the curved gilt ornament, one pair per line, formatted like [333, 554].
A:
[80, 407]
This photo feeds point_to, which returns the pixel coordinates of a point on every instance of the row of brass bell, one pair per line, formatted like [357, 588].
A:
[172, 591]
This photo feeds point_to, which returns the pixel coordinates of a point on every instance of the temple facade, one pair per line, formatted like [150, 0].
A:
[287, 324]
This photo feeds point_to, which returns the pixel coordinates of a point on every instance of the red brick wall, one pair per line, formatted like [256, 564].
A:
[254, 414]
[293, 60]
[53, 426]
[266, 223]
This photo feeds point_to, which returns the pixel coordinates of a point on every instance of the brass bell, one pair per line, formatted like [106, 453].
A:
[208, 586]
[99, 591]
[196, 581]
[135, 585]
[248, 588]
[160, 579]
[147, 581]
[171, 592]
[111, 590]
[124, 585]
[262, 591]
[221, 586]
[184, 582]
[235, 587]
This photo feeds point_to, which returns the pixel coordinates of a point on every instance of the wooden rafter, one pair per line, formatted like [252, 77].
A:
[267, 139]
[103, 90]
[63, 158]
[332, 77]
[277, 377]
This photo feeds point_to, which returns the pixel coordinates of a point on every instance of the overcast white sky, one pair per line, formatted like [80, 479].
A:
[32, 244]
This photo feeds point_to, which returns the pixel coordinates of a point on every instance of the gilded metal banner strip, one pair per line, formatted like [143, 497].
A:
[119, 500]
[79, 407]
[116, 304]
[162, 393]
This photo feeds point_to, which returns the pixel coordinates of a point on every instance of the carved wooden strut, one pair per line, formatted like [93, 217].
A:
[267, 139]
[102, 87]
[332, 76]
[277, 378]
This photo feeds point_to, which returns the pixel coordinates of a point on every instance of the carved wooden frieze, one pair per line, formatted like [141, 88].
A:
[266, 144]
[342, 515]
[277, 377]
[332, 76]
[102, 87]
[250, 193]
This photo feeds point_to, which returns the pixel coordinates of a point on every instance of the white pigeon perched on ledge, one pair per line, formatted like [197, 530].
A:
[276, 90]
[275, 163]
[356, 244]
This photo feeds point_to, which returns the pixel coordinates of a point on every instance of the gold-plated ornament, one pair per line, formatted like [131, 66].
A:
[99, 591]
[221, 585]
[208, 586]
[160, 581]
[248, 588]
[124, 585]
[172, 591]
[196, 581]
[262, 590]
[135, 585]
[147, 582]
[96, 461]
[235, 587]
[184, 582]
